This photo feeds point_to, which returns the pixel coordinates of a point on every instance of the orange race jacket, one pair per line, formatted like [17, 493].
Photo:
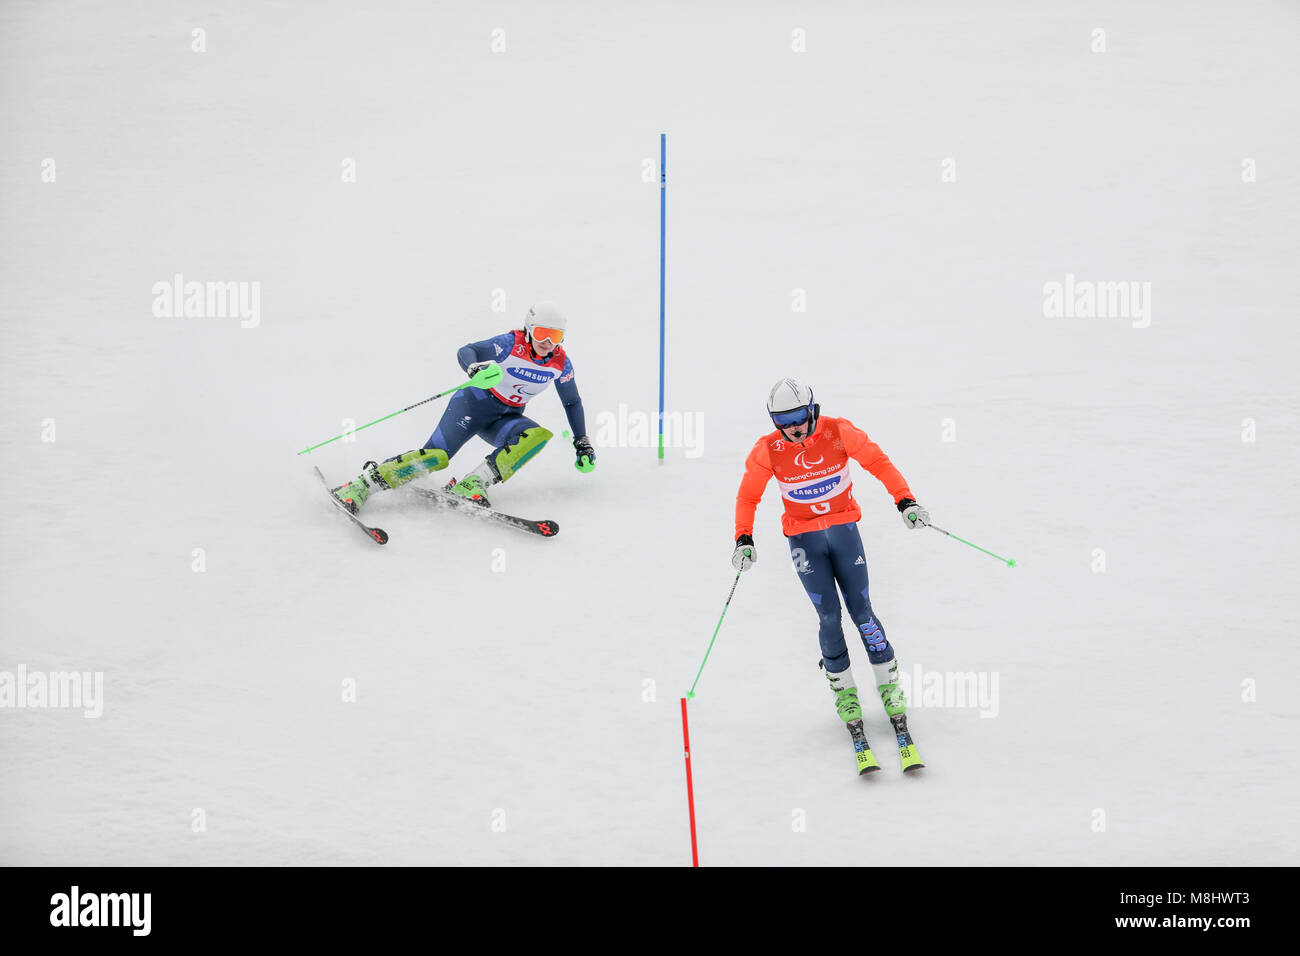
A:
[816, 484]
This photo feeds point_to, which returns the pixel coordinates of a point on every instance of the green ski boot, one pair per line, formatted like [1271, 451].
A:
[891, 695]
[472, 487]
[850, 711]
[380, 476]
[354, 493]
[500, 465]
[895, 703]
[847, 704]
[507, 460]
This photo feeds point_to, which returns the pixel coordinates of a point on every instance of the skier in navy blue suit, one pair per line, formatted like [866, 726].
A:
[531, 359]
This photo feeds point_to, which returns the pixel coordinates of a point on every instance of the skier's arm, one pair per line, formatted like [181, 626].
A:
[486, 351]
[572, 401]
[868, 454]
[758, 472]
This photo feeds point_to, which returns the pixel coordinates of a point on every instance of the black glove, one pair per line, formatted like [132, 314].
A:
[582, 448]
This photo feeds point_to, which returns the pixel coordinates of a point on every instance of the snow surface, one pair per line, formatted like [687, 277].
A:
[501, 716]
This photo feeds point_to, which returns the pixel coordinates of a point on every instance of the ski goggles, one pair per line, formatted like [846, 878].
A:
[542, 334]
[791, 418]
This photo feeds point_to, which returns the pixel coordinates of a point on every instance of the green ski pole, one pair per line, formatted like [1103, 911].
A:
[483, 378]
[690, 694]
[1009, 562]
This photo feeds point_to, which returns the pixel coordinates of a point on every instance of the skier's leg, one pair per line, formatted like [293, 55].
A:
[464, 414]
[463, 418]
[454, 429]
[811, 555]
[390, 473]
[850, 564]
[516, 439]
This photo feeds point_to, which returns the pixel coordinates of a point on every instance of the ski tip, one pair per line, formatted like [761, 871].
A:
[913, 767]
[380, 535]
[868, 770]
[548, 529]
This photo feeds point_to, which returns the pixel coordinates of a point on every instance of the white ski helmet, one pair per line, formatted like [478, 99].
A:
[791, 403]
[546, 315]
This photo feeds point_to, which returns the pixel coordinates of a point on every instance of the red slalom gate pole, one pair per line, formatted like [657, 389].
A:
[690, 791]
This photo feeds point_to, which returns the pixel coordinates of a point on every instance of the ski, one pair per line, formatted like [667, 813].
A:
[378, 535]
[867, 762]
[545, 528]
[906, 749]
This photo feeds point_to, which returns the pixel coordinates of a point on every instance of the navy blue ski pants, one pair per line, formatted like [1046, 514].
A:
[823, 559]
[476, 411]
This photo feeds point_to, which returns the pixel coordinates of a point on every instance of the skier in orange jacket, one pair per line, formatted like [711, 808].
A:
[809, 456]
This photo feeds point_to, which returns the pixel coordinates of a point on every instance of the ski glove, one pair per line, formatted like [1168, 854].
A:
[746, 555]
[582, 448]
[914, 516]
[475, 367]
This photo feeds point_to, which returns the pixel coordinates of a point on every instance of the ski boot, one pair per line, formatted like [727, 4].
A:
[474, 485]
[391, 473]
[891, 696]
[508, 459]
[353, 494]
[500, 465]
[850, 711]
[471, 488]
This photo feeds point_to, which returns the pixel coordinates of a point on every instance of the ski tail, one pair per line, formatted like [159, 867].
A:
[453, 502]
[867, 762]
[907, 753]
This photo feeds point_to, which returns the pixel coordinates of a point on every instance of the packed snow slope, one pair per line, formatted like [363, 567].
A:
[399, 183]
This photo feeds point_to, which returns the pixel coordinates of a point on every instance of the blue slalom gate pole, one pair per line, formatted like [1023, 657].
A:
[663, 221]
